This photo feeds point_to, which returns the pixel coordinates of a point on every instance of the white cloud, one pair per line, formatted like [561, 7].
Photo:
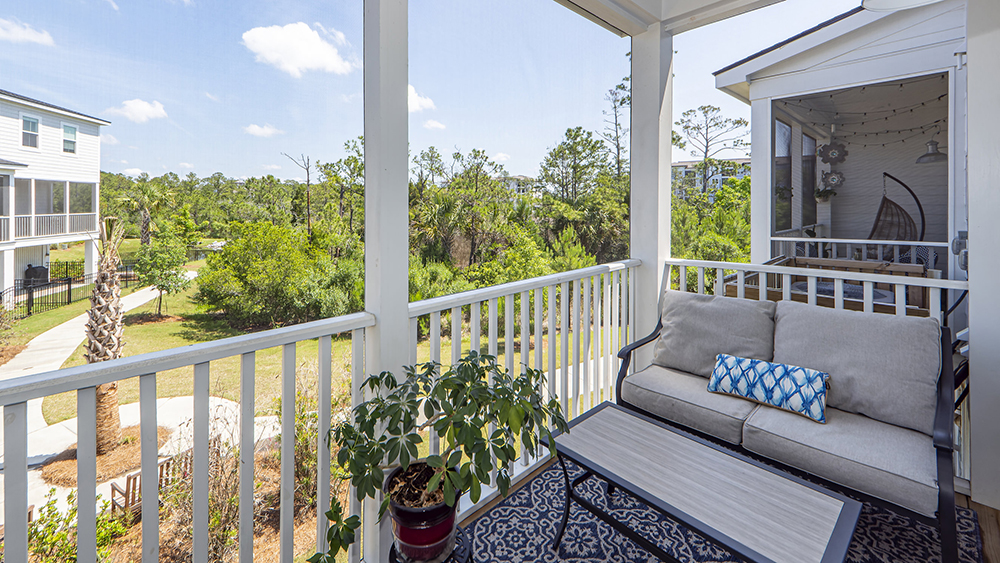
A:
[336, 36]
[211, 97]
[139, 111]
[16, 32]
[186, 165]
[113, 5]
[295, 48]
[267, 130]
[271, 167]
[416, 102]
[431, 124]
[501, 157]
[108, 139]
[132, 171]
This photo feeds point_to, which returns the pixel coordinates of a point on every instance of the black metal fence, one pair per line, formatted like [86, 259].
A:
[24, 300]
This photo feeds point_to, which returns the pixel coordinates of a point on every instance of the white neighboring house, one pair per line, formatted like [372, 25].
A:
[49, 183]
[689, 169]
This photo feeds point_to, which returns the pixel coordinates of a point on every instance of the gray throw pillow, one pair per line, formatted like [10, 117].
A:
[696, 328]
[882, 366]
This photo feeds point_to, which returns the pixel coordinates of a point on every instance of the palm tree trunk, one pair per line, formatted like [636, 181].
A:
[109, 425]
[144, 227]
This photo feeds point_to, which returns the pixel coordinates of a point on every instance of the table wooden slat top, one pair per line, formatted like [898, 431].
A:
[779, 518]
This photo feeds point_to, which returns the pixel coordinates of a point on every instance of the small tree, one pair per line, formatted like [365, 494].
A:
[161, 266]
[707, 133]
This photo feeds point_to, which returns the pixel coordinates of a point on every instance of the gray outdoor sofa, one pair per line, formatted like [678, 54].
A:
[888, 435]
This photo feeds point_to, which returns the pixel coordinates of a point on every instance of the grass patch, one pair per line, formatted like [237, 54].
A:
[26, 329]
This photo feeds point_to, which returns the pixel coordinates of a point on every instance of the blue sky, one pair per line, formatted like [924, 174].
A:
[210, 86]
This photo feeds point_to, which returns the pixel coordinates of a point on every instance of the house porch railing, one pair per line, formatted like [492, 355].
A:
[569, 324]
[933, 254]
[48, 224]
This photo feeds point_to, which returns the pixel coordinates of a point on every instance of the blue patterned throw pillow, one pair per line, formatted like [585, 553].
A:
[792, 388]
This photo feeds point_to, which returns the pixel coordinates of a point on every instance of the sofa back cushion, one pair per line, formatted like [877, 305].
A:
[697, 328]
[882, 366]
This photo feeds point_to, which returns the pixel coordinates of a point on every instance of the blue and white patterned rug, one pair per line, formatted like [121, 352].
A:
[522, 529]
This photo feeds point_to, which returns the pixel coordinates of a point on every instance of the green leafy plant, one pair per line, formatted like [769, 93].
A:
[460, 405]
[52, 535]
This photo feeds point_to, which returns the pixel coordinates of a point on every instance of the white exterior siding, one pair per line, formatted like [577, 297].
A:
[48, 161]
[34, 255]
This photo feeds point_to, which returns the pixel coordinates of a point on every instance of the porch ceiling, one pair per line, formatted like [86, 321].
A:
[631, 17]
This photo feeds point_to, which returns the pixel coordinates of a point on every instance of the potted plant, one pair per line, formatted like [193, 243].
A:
[479, 410]
[824, 194]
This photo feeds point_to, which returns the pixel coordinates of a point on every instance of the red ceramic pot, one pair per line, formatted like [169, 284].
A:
[422, 534]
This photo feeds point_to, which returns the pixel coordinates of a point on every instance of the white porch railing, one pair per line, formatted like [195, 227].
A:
[82, 222]
[576, 347]
[903, 252]
[22, 226]
[5, 228]
[16, 393]
[50, 225]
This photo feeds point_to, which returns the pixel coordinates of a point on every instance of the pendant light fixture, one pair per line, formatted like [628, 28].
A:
[933, 154]
[893, 5]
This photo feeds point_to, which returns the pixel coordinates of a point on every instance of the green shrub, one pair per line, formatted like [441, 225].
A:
[52, 535]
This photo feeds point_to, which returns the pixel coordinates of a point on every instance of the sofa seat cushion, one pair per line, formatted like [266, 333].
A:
[696, 328]
[683, 398]
[882, 366]
[895, 464]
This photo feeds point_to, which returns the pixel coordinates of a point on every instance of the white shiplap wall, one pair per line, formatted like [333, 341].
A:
[855, 206]
[34, 255]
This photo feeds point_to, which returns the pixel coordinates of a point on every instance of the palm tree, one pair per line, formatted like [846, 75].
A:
[145, 196]
[105, 323]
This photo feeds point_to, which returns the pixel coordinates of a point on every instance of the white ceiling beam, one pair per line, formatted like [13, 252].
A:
[624, 17]
[684, 15]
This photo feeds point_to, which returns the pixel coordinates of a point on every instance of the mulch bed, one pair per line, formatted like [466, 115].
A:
[8, 352]
[149, 318]
[60, 469]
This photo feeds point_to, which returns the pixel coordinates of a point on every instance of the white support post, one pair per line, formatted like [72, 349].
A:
[761, 192]
[652, 123]
[386, 216]
[7, 265]
[983, 29]
[91, 254]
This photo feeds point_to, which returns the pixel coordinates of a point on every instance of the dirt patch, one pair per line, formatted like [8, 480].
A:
[8, 352]
[60, 469]
[149, 318]
[409, 487]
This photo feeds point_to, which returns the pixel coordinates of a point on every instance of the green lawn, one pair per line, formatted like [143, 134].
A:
[195, 326]
[26, 329]
[75, 251]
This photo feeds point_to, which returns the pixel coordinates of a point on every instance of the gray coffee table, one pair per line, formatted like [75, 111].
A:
[757, 512]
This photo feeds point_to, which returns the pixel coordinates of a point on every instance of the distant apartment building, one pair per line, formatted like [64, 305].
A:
[521, 185]
[49, 183]
[688, 170]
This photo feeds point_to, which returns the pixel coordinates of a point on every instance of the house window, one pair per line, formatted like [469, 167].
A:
[69, 139]
[29, 131]
[782, 176]
[808, 180]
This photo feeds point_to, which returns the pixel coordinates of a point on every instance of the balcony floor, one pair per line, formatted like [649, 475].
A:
[525, 522]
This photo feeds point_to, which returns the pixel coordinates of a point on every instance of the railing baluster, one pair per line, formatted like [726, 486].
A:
[811, 290]
[595, 346]
[900, 299]
[247, 375]
[493, 327]
[838, 294]
[456, 335]
[615, 324]
[869, 296]
[701, 280]
[607, 327]
[286, 507]
[324, 392]
[786, 287]
[525, 354]
[149, 474]
[434, 445]
[564, 390]
[720, 282]
[682, 279]
[200, 463]
[357, 397]
[934, 307]
[15, 486]
[582, 368]
[476, 340]
[631, 311]
[414, 332]
[576, 327]
[508, 333]
[740, 283]
[539, 294]
[761, 286]
[551, 341]
[86, 475]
